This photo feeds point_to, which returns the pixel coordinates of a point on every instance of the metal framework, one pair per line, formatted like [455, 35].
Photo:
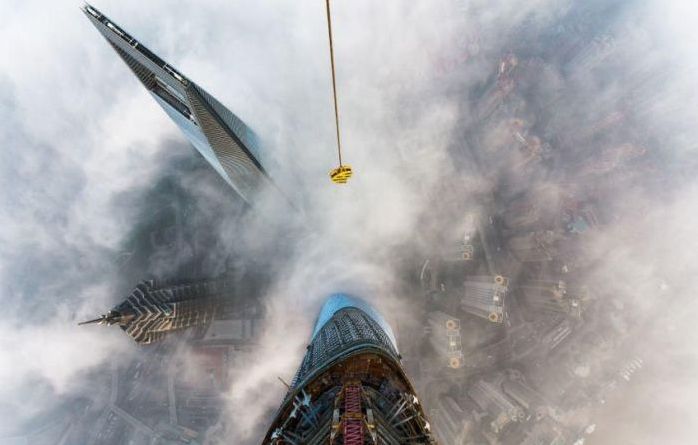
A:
[350, 389]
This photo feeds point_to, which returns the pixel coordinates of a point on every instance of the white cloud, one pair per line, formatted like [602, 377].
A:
[78, 130]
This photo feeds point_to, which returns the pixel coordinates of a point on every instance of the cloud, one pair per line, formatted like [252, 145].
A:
[82, 142]
[71, 146]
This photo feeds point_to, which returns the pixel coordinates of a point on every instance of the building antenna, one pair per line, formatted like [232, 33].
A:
[341, 174]
[96, 320]
[285, 384]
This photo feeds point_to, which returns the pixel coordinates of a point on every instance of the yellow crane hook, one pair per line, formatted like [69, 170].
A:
[341, 174]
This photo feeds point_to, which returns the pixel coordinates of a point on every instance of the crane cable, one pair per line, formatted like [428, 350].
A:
[341, 174]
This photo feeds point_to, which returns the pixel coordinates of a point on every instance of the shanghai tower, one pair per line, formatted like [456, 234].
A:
[350, 387]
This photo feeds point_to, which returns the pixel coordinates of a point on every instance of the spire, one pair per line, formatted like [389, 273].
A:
[109, 318]
[96, 320]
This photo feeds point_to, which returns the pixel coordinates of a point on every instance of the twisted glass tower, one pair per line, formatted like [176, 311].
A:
[350, 387]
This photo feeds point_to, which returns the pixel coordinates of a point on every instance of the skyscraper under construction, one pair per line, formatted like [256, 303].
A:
[350, 387]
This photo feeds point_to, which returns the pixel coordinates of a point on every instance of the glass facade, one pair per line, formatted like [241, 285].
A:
[222, 138]
[340, 301]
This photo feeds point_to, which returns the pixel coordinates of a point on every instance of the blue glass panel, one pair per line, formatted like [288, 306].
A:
[336, 302]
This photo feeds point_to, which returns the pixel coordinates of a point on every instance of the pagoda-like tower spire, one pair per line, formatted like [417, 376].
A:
[152, 311]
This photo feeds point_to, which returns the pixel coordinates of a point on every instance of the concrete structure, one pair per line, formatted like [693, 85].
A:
[500, 409]
[445, 337]
[484, 296]
[451, 423]
[525, 396]
[553, 297]
[534, 247]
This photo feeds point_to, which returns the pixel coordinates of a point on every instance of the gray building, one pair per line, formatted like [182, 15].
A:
[534, 247]
[484, 296]
[229, 146]
[492, 400]
[445, 337]
[153, 311]
[452, 423]
[548, 297]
